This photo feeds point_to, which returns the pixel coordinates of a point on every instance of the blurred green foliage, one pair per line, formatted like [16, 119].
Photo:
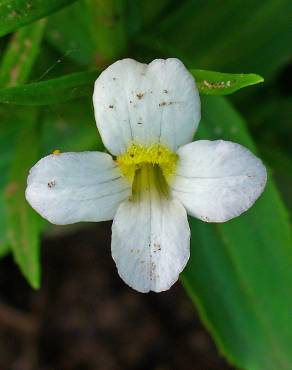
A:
[240, 273]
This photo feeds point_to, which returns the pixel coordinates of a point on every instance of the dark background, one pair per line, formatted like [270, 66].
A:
[85, 318]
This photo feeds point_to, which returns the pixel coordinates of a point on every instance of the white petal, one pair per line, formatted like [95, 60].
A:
[217, 180]
[147, 104]
[73, 187]
[150, 242]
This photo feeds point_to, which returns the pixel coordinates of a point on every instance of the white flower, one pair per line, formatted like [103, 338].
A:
[147, 116]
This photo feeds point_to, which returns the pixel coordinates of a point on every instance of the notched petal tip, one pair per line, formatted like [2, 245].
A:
[149, 101]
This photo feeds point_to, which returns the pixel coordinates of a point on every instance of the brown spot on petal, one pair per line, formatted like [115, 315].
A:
[140, 95]
[51, 184]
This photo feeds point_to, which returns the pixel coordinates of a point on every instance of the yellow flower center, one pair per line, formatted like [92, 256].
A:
[138, 156]
[148, 167]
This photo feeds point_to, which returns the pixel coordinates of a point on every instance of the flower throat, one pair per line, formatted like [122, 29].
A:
[151, 165]
[138, 155]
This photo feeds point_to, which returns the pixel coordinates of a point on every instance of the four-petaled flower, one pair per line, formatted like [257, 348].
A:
[147, 116]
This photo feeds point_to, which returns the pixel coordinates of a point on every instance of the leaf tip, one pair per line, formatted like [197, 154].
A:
[34, 282]
[256, 79]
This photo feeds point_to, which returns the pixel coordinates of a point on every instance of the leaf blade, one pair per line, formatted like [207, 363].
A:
[57, 90]
[17, 13]
[16, 65]
[21, 54]
[217, 83]
[244, 264]
[23, 224]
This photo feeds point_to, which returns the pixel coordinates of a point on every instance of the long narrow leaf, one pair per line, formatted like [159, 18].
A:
[52, 91]
[80, 84]
[17, 13]
[19, 228]
[23, 224]
[21, 54]
[240, 272]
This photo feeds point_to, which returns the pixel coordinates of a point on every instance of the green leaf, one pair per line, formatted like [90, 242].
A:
[281, 165]
[17, 13]
[21, 53]
[52, 91]
[77, 85]
[240, 272]
[8, 132]
[23, 223]
[217, 83]
[4, 244]
[17, 62]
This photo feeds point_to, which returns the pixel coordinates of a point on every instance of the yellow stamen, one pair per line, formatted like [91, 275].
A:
[56, 152]
[138, 155]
